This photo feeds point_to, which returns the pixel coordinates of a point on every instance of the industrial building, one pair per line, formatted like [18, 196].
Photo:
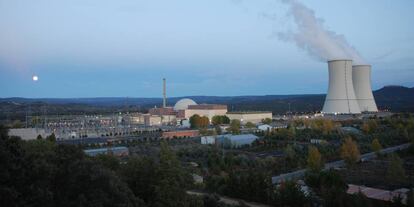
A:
[208, 110]
[28, 133]
[208, 140]
[181, 133]
[235, 141]
[254, 117]
[349, 90]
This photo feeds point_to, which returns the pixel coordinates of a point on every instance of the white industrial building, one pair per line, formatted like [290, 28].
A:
[265, 127]
[235, 141]
[28, 133]
[208, 110]
[208, 140]
[249, 116]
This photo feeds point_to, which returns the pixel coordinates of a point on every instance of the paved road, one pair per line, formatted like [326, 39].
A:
[368, 156]
[229, 201]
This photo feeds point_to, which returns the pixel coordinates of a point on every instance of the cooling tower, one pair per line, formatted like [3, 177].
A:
[340, 98]
[361, 77]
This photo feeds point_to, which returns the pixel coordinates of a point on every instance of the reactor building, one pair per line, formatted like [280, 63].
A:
[349, 90]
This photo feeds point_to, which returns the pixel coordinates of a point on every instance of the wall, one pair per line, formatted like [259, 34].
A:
[184, 133]
[249, 117]
[208, 112]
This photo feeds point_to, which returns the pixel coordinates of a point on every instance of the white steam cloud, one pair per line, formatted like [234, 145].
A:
[316, 40]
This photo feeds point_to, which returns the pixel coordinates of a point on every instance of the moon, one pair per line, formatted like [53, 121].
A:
[35, 78]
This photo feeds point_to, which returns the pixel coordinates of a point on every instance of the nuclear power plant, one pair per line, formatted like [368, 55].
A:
[349, 90]
[361, 77]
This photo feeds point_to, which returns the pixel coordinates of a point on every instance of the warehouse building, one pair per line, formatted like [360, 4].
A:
[250, 116]
[236, 141]
[28, 133]
[208, 110]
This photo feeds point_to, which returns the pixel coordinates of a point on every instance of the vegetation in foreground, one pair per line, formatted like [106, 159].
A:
[42, 173]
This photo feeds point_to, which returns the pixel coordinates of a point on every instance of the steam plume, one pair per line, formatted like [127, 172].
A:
[316, 40]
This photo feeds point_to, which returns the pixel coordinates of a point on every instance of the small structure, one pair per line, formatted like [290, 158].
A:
[235, 141]
[185, 123]
[208, 140]
[318, 141]
[279, 125]
[117, 151]
[265, 127]
[379, 194]
[197, 179]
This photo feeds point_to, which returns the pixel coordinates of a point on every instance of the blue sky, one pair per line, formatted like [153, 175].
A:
[107, 48]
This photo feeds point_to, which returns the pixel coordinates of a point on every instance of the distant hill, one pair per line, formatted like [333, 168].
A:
[121, 101]
[395, 98]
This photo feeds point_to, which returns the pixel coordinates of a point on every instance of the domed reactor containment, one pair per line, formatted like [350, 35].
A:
[349, 89]
[183, 104]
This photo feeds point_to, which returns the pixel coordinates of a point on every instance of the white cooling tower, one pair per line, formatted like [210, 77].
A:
[341, 97]
[361, 77]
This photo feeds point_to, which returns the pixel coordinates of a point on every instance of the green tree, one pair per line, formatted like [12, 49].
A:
[235, 126]
[410, 198]
[289, 194]
[198, 122]
[359, 200]
[42, 173]
[171, 180]
[109, 161]
[218, 129]
[140, 175]
[376, 146]
[267, 121]
[51, 138]
[328, 126]
[39, 137]
[220, 119]
[329, 185]
[314, 159]
[290, 152]
[195, 121]
[395, 169]
[87, 182]
[368, 127]
[349, 152]
[250, 125]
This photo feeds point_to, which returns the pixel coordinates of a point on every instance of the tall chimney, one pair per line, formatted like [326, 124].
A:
[164, 94]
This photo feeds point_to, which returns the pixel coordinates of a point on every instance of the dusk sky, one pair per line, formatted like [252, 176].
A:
[109, 48]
